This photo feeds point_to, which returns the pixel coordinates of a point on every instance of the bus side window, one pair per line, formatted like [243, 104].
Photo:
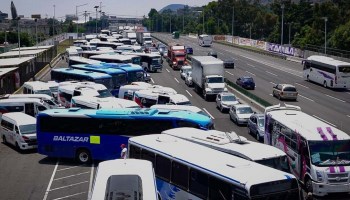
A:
[219, 190]
[179, 175]
[147, 155]
[162, 168]
[199, 183]
[135, 152]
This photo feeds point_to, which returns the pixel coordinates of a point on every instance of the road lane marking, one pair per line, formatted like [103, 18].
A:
[324, 120]
[176, 80]
[68, 168]
[273, 83]
[250, 73]
[229, 73]
[91, 178]
[306, 98]
[58, 188]
[301, 85]
[72, 195]
[271, 73]
[152, 80]
[335, 98]
[51, 180]
[271, 94]
[221, 53]
[70, 176]
[348, 115]
[208, 113]
[250, 65]
[167, 70]
[189, 93]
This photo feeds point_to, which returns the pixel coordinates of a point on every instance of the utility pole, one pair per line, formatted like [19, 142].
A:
[85, 15]
[233, 18]
[282, 6]
[183, 20]
[96, 18]
[53, 21]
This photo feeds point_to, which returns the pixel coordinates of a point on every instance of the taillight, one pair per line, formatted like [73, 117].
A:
[25, 137]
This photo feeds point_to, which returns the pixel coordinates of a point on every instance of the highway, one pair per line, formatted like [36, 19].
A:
[331, 106]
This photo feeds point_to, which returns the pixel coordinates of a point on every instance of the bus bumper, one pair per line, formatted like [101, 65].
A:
[321, 189]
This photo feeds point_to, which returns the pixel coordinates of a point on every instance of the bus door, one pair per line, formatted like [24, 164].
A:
[29, 109]
[304, 159]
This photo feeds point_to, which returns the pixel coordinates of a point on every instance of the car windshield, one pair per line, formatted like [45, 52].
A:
[261, 121]
[104, 93]
[48, 92]
[290, 89]
[344, 69]
[244, 110]
[186, 70]
[156, 61]
[229, 98]
[27, 129]
[329, 153]
[247, 79]
[215, 80]
[179, 54]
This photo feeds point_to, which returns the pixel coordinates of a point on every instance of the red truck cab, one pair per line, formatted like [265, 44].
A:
[176, 56]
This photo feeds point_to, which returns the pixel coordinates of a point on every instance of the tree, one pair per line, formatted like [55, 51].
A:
[341, 37]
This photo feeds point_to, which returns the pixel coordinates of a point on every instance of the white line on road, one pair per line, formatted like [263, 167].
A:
[250, 65]
[50, 182]
[271, 73]
[301, 85]
[229, 73]
[167, 70]
[250, 73]
[91, 179]
[324, 120]
[176, 80]
[67, 168]
[335, 98]
[189, 93]
[273, 83]
[348, 115]
[306, 98]
[69, 185]
[221, 53]
[70, 176]
[208, 113]
[152, 80]
[271, 94]
[72, 195]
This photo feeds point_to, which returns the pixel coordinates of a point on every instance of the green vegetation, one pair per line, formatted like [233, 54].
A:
[305, 21]
[61, 48]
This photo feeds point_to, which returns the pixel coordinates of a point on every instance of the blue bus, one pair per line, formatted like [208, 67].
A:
[68, 74]
[86, 134]
[134, 72]
[119, 76]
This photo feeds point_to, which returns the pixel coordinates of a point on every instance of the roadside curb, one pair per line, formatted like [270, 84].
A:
[247, 99]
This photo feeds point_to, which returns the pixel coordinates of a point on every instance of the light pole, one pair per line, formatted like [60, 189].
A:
[6, 37]
[36, 32]
[53, 21]
[233, 17]
[325, 34]
[19, 37]
[282, 7]
[289, 30]
[96, 17]
[203, 21]
[76, 12]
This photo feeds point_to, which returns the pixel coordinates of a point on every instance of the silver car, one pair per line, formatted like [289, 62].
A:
[256, 126]
[183, 71]
[188, 79]
[225, 100]
[240, 113]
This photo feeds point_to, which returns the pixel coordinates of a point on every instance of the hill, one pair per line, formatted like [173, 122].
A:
[172, 7]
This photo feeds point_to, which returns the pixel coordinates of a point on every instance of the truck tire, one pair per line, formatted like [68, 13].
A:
[205, 96]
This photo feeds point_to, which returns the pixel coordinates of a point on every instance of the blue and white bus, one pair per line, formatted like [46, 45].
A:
[74, 60]
[117, 58]
[185, 170]
[134, 73]
[87, 134]
[119, 76]
[68, 74]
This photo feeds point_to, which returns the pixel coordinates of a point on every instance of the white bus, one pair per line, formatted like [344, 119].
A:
[124, 179]
[29, 106]
[44, 97]
[185, 170]
[235, 145]
[327, 71]
[102, 103]
[319, 155]
[205, 40]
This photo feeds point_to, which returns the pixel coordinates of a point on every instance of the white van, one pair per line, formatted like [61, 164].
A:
[36, 87]
[149, 97]
[29, 106]
[46, 98]
[66, 92]
[18, 129]
[102, 103]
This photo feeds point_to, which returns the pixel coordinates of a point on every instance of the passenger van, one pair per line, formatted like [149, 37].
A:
[46, 98]
[29, 106]
[102, 103]
[19, 130]
[36, 87]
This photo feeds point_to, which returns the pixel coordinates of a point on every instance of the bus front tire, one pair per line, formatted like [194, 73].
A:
[325, 84]
[308, 185]
[83, 156]
[4, 139]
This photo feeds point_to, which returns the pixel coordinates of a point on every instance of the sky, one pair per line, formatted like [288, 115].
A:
[111, 7]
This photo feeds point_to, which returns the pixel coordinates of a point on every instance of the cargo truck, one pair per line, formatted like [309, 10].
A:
[208, 76]
[144, 38]
[176, 56]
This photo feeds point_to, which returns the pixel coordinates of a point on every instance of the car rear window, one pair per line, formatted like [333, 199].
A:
[290, 89]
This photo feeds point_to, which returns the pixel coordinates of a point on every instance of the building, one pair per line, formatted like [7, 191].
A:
[3, 16]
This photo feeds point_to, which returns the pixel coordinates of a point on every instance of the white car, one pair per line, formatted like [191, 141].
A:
[240, 113]
[225, 100]
[183, 71]
[188, 79]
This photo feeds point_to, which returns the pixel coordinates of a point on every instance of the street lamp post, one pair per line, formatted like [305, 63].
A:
[203, 21]
[325, 34]
[76, 12]
[53, 21]
[36, 32]
[19, 38]
[282, 7]
[96, 17]
[233, 18]
[289, 30]
[6, 37]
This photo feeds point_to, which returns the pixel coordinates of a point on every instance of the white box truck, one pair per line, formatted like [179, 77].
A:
[208, 75]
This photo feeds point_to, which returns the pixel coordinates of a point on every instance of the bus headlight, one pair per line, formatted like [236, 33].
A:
[319, 176]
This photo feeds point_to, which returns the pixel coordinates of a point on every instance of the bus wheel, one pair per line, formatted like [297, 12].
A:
[4, 139]
[83, 156]
[324, 84]
[308, 185]
[308, 79]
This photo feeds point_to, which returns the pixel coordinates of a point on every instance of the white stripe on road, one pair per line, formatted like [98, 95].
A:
[348, 115]
[229, 73]
[271, 94]
[50, 182]
[301, 85]
[70, 176]
[324, 120]
[271, 73]
[273, 83]
[189, 93]
[69, 185]
[250, 73]
[152, 80]
[250, 65]
[221, 53]
[335, 98]
[72, 195]
[167, 70]
[208, 113]
[91, 178]
[67, 168]
[306, 98]
[176, 80]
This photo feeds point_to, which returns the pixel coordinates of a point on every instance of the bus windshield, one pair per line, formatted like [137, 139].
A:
[27, 129]
[280, 163]
[215, 80]
[135, 76]
[155, 61]
[119, 80]
[105, 81]
[104, 94]
[136, 60]
[329, 153]
[48, 92]
[344, 69]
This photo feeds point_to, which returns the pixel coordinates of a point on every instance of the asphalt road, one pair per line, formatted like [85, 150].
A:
[331, 106]
[30, 175]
